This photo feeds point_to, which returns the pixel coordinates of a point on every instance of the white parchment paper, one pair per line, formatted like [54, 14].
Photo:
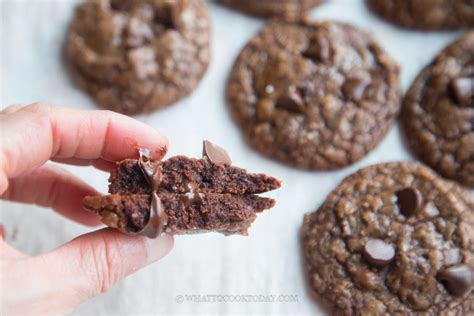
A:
[263, 264]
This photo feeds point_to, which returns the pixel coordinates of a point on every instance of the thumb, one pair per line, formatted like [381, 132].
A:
[94, 262]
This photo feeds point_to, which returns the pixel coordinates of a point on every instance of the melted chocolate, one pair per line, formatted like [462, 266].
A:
[215, 154]
[152, 173]
[191, 198]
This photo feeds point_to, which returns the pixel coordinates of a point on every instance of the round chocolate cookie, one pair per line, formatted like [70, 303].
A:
[393, 239]
[426, 14]
[286, 9]
[136, 56]
[438, 112]
[316, 95]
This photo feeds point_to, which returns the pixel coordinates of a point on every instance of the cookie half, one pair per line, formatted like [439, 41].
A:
[182, 195]
[393, 239]
[426, 14]
[316, 95]
[286, 9]
[137, 56]
[438, 112]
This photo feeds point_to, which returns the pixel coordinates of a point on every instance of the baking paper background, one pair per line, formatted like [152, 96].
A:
[267, 262]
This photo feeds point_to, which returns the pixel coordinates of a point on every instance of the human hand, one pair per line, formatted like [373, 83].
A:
[57, 281]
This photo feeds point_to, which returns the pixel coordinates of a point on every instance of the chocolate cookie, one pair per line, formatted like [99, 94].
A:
[136, 56]
[393, 239]
[286, 9]
[438, 112]
[316, 95]
[182, 195]
[426, 14]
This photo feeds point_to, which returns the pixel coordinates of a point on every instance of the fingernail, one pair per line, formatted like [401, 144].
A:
[159, 247]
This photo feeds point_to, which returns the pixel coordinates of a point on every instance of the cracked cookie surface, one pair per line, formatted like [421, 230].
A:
[402, 212]
[136, 56]
[438, 112]
[286, 9]
[426, 14]
[316, 95]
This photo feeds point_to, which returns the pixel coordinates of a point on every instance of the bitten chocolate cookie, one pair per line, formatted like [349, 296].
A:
[182, 195]
[438, 112]
[426, 14]
[286, 9]
[393, 239]
[316, 95]
[136, 56]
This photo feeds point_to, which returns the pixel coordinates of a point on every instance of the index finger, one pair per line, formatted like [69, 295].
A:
[31, 135]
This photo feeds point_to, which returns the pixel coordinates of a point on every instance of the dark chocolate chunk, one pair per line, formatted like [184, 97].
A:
[354, 88]
[378, 253]
[458, 279]
[291, 101]
[318, 50]
[463, 90]
[408, 201]
[215, 154]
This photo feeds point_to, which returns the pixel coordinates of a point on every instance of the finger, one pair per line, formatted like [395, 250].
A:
[12, 108]
[8, 252]
[35, 133]
[51, 186]
[100, 164]
[94, 262]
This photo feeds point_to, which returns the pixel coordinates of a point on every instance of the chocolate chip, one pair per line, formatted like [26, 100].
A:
[463, 90]
[317, 50]
[408, 201]
[458, 279]
[169, 14]
[291, 101]
[215, 154]
[354, 88]
[378, 253]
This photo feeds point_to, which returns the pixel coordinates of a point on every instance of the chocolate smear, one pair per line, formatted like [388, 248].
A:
[157, 219]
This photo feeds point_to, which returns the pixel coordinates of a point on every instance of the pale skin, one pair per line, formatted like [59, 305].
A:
[57, 281]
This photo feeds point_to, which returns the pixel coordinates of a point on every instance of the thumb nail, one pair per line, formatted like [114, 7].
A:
[158, 247]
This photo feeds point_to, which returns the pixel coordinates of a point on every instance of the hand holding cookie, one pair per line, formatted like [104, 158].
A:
[92, 263]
